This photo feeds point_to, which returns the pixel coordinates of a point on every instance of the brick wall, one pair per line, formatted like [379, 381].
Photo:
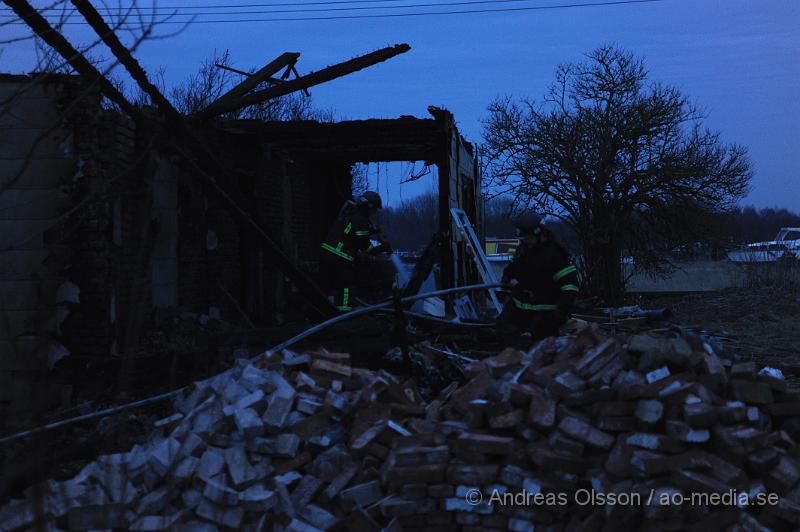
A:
[49, 236]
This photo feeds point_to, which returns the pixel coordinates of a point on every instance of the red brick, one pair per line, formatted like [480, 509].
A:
[470, 475]
[339, 482]
[474, 389]
[542, 414]
[784, 409]
[616, 424]
[560, 441]
[757, 393]
[420, 455]
[699, 414]
[552, 460]
[783, 476]
[583, 431]
[425, 473]
[693, 481]
[485, 443]
[596, 358]
[441, 491]
[649, 412]
[566, 383]
[508, 359]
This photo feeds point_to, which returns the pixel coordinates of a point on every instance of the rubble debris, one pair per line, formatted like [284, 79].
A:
[308, 442]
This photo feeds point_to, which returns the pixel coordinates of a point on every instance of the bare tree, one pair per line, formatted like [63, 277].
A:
[625, 162]
[360, 178]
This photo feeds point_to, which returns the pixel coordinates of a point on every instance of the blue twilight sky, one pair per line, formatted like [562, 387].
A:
[738, 59]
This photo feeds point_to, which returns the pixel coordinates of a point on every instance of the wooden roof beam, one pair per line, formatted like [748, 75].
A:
[76, 60]
[124, 56]
[227, 102]
[316, 78]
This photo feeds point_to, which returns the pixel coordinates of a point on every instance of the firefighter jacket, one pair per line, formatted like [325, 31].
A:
[350, 236]
[546, 278]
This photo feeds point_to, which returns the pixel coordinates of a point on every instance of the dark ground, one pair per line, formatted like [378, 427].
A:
[761, 324]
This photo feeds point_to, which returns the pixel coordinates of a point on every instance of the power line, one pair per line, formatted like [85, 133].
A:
[326, 9]
[398, 15]
[226, 6]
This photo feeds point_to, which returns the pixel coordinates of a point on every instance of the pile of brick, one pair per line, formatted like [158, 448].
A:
[651, 431]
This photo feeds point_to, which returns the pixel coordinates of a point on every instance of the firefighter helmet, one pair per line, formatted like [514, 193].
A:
[370, 199]
[528, 224]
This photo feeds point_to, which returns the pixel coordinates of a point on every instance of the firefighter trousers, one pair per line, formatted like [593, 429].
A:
[514, 321]
[341, 280]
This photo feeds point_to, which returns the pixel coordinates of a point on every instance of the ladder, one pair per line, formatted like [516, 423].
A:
[475, 249]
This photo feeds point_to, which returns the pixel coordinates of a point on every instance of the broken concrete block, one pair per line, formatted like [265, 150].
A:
[308, 406]
[103, 516]
[318, 517]
[211, 463]
[297, 525]
[232, 391]
[164, 456]
[191, 498]
[206, 418]
[308, 488]
[219, 493]
[192, 397]
[154, 502]
[339, 483]
[257, 499]
[361, 495]
[253, 379]
[192, 445]
[255, 400]
[221, 515]
[196, 526]
[241, 472]
[248, 422]
[148, 523]
[184, 471]
[286, 445]
[278, 409]
[283, 504]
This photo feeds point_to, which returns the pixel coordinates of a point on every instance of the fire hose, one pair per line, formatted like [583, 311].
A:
[283, 345]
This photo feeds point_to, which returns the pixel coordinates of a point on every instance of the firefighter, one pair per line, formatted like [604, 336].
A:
[544, 285]
[350, 239]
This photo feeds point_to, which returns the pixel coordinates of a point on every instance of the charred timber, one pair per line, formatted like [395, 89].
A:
[124, 56]
[316, 78]
[76, 60]
[221, 104]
